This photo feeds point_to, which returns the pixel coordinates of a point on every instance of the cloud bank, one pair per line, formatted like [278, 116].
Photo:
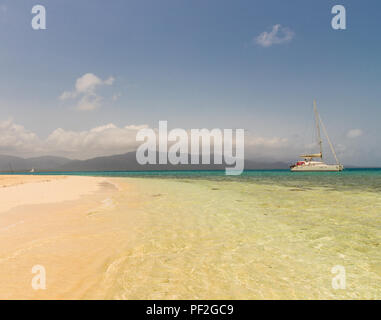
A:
[110, 139]
[105, 140]
[15, 138]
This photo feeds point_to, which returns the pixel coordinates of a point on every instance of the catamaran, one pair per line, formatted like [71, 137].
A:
[308, 163]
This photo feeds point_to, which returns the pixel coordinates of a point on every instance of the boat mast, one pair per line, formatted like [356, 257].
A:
[329, 141]
[318, 130]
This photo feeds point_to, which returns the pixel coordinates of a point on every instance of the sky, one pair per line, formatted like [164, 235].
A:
[103, 69]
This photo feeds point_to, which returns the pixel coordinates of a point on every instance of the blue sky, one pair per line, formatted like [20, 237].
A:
[196, 64]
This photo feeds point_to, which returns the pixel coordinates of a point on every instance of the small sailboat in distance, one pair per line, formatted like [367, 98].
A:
[309, 164]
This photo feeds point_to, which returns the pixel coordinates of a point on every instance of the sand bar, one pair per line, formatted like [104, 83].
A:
[52, 221]
[29, 190]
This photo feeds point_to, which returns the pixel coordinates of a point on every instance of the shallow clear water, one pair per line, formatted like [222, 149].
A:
[265, 234]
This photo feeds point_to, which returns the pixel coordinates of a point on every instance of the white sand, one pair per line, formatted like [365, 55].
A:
[55, 222]
[28, 190]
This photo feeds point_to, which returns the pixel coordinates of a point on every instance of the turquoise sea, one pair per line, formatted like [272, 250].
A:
[361, 178]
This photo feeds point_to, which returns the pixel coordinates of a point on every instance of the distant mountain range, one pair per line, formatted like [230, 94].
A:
[121, 162]
[46, 163]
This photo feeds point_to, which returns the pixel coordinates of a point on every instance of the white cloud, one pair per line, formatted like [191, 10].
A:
[99, 141]
[109, 81]
[253, 141]
[354, 133]
[87, 83]
[89, 102]
[15, 138]
[67, 95]
[102, 140]
[85, 91]
[271, 148]
[277, 35]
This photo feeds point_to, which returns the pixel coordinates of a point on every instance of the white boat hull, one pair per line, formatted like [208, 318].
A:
[311, 165]
[320, 168]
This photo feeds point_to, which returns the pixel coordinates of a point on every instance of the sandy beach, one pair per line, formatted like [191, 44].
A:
[46, 220]
[163, 238]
